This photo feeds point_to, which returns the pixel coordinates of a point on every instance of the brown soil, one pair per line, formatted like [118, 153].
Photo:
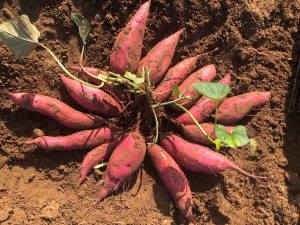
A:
[255, 39]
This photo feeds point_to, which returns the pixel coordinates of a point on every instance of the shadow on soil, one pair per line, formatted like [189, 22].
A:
[292, 132]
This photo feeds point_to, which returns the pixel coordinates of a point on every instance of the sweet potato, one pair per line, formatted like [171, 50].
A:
[96, 156]
[158, 59]
[194, 134]
[175, 76]
[114, 90]
[173, 179]
[127, 49]
[235, 108]
[198, 158]
[80, 140]
[206, 73]
[91, 70]
[202, 109]
[91, 98]
[55, 109]
[124, 161]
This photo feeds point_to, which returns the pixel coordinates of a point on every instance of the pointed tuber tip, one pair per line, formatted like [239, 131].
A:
[31, 142]
[102, 195]
[81, 180]
[6, 93]
[62, 76]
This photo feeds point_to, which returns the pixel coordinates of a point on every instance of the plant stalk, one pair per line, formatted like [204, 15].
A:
[195, 121]
[169, 103]
[63, 67]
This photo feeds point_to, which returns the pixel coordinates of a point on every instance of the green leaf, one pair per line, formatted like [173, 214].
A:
[20, 35]
[175, 91]
[133, 78]
[223, 135]
[83, 25]
[212, 90]
[239, 136]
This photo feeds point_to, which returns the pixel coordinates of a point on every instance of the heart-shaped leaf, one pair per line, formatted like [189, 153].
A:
[212, 90]
[223, 135]
[238, 138]
[83, 25]
[20, 35]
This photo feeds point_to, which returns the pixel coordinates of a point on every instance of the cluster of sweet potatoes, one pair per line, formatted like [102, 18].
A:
[125, 152]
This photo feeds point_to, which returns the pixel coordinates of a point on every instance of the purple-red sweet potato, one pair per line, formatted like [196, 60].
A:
[194, 134]
[114, 90]
[90, 70]
[202, 109]
[92, 98]
[158, 59]
[96, 156]
[186, 88]
[55, 109]
[127, 49]
[235, 108]
[175, 76]
[198, 158]
[124, 161]
[80, 140]
[173, 179]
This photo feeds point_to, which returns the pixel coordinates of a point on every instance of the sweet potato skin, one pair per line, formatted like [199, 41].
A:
[194, 134]
[203, 108]
[96, 156]
[173, 179]
[55, 109]
[198, 158]
[175, 76]
[91, 70]
[158, 59]
[127, 49]
[124, 161]
[91, 98]
[115, 91]
[235, 108]
[206, 73]
[80, 140]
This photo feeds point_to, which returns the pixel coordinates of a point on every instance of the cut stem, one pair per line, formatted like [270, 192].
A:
[100, 165]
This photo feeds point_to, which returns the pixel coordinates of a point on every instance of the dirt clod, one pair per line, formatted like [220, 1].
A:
[50, 212]
[4, 215]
